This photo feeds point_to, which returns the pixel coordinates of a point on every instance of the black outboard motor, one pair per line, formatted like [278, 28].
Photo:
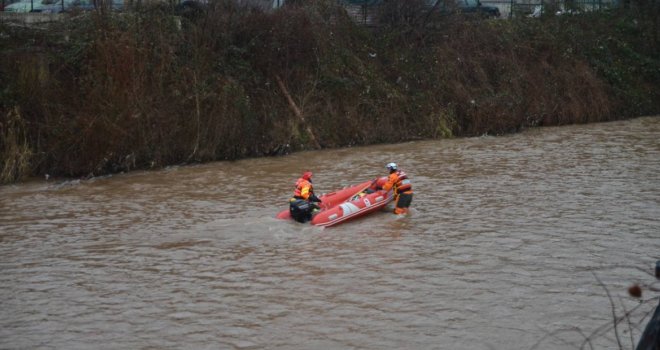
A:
[301, 210]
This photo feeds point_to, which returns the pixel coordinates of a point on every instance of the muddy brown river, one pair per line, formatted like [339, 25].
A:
[513, 242]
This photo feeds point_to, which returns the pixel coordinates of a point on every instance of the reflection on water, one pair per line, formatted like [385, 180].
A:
[499, 252]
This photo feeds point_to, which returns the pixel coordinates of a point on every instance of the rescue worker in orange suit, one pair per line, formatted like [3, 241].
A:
[302, 204]
[398, 180]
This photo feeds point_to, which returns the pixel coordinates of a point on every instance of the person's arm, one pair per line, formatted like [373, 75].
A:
[310, 195]
[314, 198]
[391, 180]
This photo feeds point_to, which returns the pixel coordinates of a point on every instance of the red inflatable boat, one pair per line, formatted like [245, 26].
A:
[349, 203]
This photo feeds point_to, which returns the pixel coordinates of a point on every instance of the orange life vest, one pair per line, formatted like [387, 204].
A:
[303, 190]
[399, 181]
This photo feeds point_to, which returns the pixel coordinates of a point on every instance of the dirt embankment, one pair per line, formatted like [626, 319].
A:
[103, 93]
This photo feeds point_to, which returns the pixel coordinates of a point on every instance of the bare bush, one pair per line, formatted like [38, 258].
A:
[15, 152]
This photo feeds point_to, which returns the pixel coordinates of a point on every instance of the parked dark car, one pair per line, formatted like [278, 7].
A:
[475, 7]
[470, 7]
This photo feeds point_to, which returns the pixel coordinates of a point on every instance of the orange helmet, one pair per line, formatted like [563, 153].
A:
[307, 175]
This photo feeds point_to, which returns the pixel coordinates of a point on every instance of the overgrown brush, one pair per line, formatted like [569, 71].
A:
[103, 92]
[15, 153]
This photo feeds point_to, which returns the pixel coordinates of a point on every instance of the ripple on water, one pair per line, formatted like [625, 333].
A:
[506, 244]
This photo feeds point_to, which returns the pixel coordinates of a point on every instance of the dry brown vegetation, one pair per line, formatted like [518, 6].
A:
[103, 92]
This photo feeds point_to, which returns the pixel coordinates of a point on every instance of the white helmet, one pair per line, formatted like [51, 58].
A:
[391, 166]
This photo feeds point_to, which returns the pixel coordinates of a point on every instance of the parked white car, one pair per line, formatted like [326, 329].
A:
[26, 6]
[58, 6]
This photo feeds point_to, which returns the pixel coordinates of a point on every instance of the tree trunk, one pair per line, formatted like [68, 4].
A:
[296, 111]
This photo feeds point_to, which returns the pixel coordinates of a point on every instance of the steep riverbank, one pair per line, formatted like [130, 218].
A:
[107, 93]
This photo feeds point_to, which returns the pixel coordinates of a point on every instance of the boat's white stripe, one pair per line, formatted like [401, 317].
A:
[349, 208]
[346, 217]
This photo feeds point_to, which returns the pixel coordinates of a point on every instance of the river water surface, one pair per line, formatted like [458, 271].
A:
[513, 242]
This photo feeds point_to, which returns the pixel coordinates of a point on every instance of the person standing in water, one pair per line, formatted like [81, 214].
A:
[399, 182]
